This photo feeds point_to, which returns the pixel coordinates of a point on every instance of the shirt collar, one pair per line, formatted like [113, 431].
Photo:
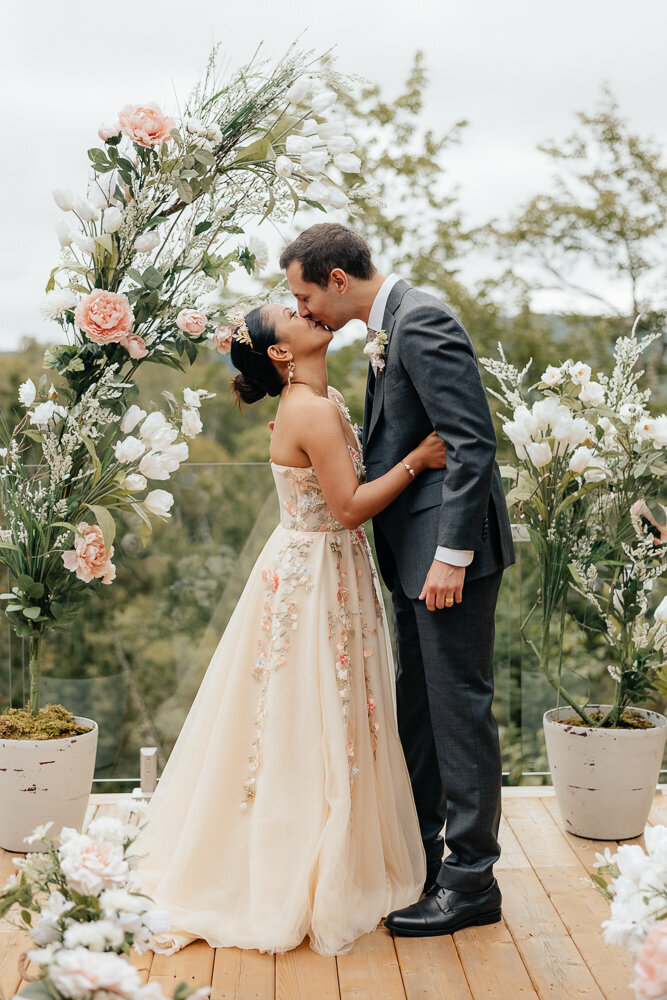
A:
[376, 315]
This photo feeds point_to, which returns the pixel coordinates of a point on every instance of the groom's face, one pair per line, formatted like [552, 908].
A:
[328, 305]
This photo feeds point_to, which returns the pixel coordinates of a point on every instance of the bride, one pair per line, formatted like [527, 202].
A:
[285, 808]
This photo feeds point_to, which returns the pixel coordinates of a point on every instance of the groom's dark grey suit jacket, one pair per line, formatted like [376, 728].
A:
[431, 382]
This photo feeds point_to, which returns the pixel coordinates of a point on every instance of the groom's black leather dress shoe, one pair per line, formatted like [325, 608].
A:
[444, 911]
[432, 872]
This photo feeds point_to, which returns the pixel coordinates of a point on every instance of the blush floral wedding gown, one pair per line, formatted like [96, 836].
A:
[285, 808]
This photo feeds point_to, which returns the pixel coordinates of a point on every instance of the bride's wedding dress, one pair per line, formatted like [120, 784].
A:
[285, 808]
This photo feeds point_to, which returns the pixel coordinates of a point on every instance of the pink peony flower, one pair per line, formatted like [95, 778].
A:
[651, 964]
[105, 316]
[222, 338]
[134, 345]
[89, 559]
[108, 131]
[191, 321]
[145, 124]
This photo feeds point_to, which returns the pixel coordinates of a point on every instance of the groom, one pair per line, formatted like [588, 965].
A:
[442, 546]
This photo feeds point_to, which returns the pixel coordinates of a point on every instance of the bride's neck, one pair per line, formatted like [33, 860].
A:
[313, 373]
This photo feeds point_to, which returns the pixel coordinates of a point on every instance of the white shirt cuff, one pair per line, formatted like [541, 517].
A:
[455, 557]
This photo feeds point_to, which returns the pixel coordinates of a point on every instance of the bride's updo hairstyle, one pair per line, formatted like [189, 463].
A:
[259, 376]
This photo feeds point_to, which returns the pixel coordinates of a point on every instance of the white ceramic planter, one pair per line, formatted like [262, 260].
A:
[604, 779]
[42, 780]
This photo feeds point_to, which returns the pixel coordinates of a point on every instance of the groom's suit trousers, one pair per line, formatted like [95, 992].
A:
[447, 729]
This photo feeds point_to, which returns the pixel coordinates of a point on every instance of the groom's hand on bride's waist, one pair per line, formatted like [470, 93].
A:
[443, 586]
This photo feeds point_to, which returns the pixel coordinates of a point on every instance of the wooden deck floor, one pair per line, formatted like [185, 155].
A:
[548, 945]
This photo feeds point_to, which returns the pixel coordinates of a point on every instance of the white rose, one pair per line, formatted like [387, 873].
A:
[298, 144]
[131, 418]
[631, 411]
[90, 866]
[193, 397]
[330, 129]
[592, 392]
[155, 466]
[158, 502]
[298, 92]
[660, 613]
[191, 424]
[539, 453]
[552, 375]
[322, 101]
[27, 392]
[134, 483]
[314, 162]
[147, 242]
[129, 449]
[341, 144]
[81, 972]
[284, 166]
[63, 198]
[580, 459]
[195, 126]
[316, 191]
[64, 233]
[154, 422]
[113, 218]
[580, 373]
[107, 828]
[85, 243]
[260, 251]
[336, 198]
[348, 163]
[106, 131]
[85, 211]
[659, 430]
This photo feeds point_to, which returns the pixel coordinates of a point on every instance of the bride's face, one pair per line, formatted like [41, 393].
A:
[301, 335]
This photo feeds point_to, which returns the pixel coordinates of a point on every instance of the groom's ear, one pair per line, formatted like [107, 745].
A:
[339, 280]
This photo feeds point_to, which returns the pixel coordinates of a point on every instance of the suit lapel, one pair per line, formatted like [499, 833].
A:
[389, 322]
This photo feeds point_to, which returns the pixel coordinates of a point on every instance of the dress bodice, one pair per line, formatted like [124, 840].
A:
[303, 506]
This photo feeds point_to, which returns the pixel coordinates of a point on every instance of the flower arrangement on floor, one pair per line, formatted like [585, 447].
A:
[88, 916]
[635, 883]
[162, 223]
[590, 464]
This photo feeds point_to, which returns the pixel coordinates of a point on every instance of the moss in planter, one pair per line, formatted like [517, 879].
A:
[630, 719]
[53, 722]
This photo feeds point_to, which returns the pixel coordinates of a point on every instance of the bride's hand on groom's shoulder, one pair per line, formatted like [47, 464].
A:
[443, 586]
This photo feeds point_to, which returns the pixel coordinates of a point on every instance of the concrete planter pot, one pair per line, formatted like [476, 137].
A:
[42, 780]
[604, 779]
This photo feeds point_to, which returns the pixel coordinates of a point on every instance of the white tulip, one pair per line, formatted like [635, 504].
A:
[64, 233]
[310, 126]
[322, 101]
[539, 452]
[592, 392]
[298, 92]
[85, 211]
[314, 162]
[27, 393]
[155, 466]
[45, 412]
[517, 433]
[63, 198]
[580, 373]
[348, 163]
[524, 418]
[195, 126]
[341, 144]
[163, 437]
[596, 471]
[154, 422]
[547, 411]
[147, 242]
[113, 218]
[131, 418]
[129, 449]
[85, 243]
[336, 198]
[134, 482]
[316, 191]
[298, 144]
[191, 424]
[327, 130]
[158, 502]
[193, 397]
[552, 375]
[660, 613]
[177, 452]
[284, 166]
[580, 459]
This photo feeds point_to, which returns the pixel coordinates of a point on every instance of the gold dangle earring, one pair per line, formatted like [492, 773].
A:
[291, 368]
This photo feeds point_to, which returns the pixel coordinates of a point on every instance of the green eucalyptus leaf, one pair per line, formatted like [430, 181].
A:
[106, 523]
[33, 612]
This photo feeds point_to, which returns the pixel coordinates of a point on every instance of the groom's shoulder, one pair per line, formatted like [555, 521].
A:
[416, 301]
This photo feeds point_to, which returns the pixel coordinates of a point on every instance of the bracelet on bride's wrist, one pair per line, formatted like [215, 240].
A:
[409, 468]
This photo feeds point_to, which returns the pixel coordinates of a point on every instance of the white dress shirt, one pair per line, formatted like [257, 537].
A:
[454, 557]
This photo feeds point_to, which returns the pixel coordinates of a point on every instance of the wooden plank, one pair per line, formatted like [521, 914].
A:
[492, 965]
[556, 967]
[511, 855]
[301, 974]
[243, 975]
[371, 969]
[192, 965]
[431, 967]
[12, 944]
[540, 838]
[584, 849]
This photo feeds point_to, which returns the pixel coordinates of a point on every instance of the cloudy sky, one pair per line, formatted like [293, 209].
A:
[516, 69]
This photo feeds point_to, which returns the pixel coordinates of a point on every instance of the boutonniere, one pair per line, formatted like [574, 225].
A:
[376, 350]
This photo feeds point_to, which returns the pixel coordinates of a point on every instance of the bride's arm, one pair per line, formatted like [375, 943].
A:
[323, 439]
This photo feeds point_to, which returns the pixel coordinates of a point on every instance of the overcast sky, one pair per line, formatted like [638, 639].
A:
[518, 70]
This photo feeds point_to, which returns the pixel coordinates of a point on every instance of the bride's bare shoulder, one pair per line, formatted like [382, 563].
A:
[335, 395]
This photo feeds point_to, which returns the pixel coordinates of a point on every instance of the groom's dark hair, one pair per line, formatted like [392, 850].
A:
[326, 246]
